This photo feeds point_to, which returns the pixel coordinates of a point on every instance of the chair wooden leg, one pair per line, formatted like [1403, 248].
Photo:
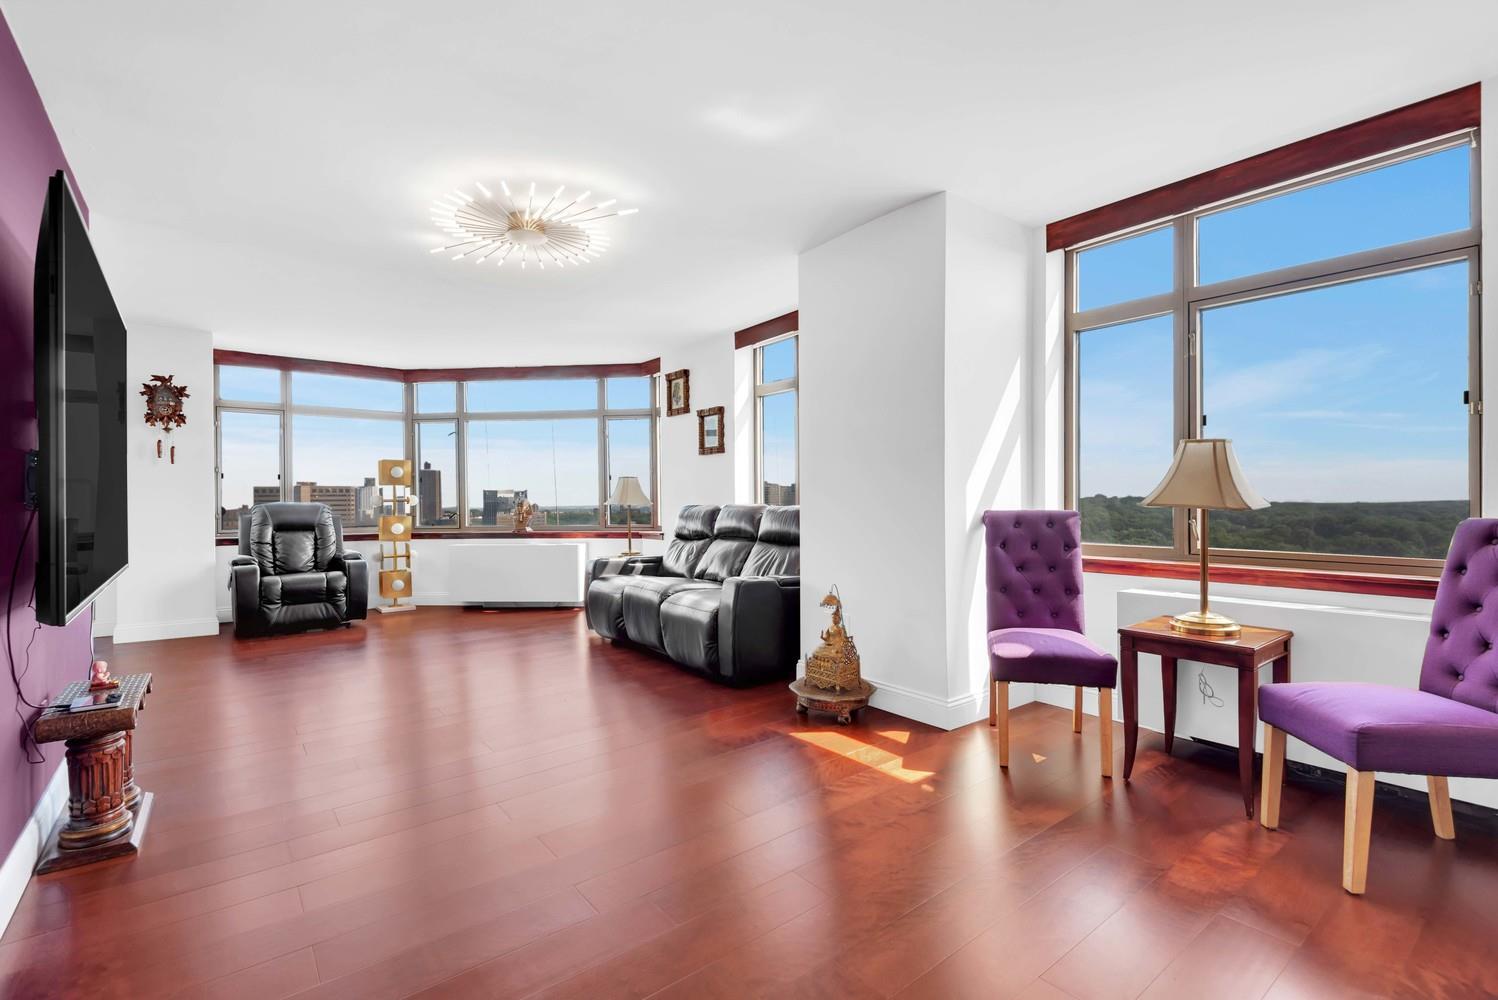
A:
[1001, 704]
[1273, 781]
[1105, 728]
[993, 702]
[1440, 806]
[1357, 825]
[1076, 710]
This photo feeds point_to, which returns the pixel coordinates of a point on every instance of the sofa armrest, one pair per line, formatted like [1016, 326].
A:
[352, 565]
[244, 591]
[759, 626]
[631, 566]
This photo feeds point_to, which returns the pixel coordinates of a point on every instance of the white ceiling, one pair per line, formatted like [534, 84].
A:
[263, 170]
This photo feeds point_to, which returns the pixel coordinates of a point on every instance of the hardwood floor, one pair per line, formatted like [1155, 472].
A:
[461, 804]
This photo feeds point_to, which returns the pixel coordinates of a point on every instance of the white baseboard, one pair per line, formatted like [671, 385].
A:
[944, 713]
[149, 631]
[26, 851]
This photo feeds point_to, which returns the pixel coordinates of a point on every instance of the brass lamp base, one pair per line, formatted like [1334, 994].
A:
[1205, 623]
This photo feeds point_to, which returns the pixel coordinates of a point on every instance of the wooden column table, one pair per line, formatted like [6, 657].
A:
[107, 811]
[1246, 653]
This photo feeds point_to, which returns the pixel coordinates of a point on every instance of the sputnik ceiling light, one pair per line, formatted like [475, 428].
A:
[528, 228]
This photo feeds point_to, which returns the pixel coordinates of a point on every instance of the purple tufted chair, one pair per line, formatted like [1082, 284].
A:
[1448, 728]
[1034, 565]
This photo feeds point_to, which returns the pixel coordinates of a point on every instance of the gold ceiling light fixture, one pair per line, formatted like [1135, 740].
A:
[527, 228]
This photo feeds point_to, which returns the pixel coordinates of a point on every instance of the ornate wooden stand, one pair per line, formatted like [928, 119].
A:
[841, 703]
[107, 811]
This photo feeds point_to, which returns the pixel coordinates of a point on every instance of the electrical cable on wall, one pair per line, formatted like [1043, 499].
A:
[15, 675]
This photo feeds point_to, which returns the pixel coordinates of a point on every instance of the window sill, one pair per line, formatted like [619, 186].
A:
[1388, 585]
[468, 534]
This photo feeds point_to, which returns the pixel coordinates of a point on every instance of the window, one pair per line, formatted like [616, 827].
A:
[479, 447]
[776, 383]
[249, 463]
[1327, 327]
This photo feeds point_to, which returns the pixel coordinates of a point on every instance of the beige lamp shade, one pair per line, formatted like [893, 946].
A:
[627, 493]
[1205, 474]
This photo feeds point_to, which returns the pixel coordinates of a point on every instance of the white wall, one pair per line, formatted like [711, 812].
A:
[687, 477]
[168, 591]
[914, 338]
[872, 305]
[987, 426]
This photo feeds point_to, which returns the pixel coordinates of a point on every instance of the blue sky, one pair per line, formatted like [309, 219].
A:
[1345, 392]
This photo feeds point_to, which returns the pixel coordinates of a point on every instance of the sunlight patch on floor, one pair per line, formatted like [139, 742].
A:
[881, 760]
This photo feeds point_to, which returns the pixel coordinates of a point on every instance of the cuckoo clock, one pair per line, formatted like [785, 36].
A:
[164, 407]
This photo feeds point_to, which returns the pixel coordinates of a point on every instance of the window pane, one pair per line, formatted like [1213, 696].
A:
[249, 385]
[553, 463]
[629, 393]
[1128, 269]
[313, 389]
[1344, 404]
[250, 463]
[777, 437]
[437, 473]
[1422, 197]
[1125, 431]
[778, 360]
[629, 455]
[335, 460]
[531, 395]
[436, 397]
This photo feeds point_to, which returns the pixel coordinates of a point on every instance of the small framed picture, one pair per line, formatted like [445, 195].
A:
[710, 431]
[678, 393]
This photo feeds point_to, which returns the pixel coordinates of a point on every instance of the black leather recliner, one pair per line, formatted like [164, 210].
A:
[292, 573]
[724, 600]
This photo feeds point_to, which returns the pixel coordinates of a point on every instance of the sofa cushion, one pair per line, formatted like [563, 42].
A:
[1371, 727]
[733, 538]
[605, 604]
[643, 596]
[689, 627]
[288, 537]
[1049, 656]
[694, 533]
[777, 551]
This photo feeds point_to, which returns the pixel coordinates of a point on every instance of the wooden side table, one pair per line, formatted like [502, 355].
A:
[107, 811]
[1246, 653]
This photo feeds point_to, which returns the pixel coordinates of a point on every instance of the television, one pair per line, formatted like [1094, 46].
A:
[80, 474]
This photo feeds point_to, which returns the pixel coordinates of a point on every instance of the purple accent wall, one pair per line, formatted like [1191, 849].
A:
[32, 154]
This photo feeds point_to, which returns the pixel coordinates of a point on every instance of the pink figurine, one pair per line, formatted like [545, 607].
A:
[98, 676]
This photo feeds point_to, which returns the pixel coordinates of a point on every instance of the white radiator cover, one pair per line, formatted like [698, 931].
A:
[523, 572]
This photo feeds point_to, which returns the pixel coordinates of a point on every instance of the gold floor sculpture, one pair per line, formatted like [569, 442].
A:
[395, 534]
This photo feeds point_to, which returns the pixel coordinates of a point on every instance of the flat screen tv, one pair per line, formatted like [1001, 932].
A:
[80, 409]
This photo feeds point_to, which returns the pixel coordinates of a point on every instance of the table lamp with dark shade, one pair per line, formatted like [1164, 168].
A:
[629, 495]
[1205, 475]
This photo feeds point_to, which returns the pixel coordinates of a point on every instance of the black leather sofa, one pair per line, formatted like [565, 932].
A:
[292, 573]
[723, 600]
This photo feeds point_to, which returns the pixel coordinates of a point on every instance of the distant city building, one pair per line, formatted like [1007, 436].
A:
[370, 503]
[229, 517]
[343, 499]
[265, 494]
[780, 494]
[429, 492]
[501, 504]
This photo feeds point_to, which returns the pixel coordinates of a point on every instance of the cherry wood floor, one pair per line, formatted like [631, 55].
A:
[460, 804]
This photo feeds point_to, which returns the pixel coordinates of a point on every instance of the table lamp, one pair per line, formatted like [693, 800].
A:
[1205, 475]
[629, 495]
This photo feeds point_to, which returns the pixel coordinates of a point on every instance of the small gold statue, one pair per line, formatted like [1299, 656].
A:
[834, 666]
[524, 511]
